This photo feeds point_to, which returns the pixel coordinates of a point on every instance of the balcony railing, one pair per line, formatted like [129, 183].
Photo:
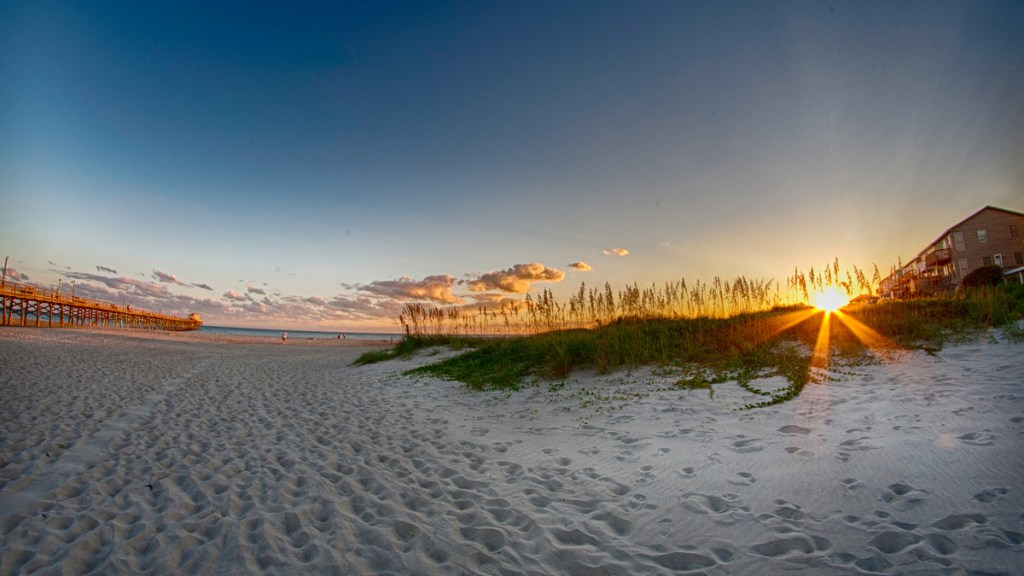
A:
[938, 257]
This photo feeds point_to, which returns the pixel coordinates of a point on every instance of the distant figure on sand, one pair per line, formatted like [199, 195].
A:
[284, 336]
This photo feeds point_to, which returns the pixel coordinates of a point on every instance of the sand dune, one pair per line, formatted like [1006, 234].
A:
[127, 455]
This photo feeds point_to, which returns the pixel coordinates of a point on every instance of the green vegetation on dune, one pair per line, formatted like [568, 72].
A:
[741, 348]
[410, 344]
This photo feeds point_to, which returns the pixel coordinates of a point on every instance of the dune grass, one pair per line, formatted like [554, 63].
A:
[410, 344]
[714, 348]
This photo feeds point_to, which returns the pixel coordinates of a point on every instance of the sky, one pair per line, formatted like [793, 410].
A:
[320, 165]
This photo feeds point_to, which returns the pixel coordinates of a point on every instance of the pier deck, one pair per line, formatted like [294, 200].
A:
[25, 305]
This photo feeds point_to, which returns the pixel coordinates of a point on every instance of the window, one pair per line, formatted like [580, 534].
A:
[986, 260]
[1019, 258]
[998, 259]
[963, 266]
[958, 237]
[1013, 231]
[982, 236]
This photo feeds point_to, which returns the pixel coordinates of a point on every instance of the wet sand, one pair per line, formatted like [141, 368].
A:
[123, 453]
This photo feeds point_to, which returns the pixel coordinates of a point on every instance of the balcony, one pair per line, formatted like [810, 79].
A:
[938, 257]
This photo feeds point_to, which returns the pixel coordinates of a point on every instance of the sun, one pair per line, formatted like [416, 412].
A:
[830, 299]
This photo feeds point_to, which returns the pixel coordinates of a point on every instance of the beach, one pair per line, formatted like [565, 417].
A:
[175, 453]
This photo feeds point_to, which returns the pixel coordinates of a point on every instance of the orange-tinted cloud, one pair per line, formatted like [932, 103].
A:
[166, 278]
[436, 288]
[232, 295]
[516, 279]
[13, 274]
[581, 266]
[615, 252]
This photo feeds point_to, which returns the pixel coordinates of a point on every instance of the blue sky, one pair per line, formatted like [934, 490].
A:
[318, 166]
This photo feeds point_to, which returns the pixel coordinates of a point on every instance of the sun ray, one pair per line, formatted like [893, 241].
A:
[791, 319]
[865, 333]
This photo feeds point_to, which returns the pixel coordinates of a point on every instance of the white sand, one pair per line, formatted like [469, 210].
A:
[170, 455]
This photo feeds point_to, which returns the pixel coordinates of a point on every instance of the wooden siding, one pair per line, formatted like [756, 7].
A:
[939, 267]
[997, 224]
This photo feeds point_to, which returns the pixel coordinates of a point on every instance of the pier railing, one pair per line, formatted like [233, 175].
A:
[25, 305]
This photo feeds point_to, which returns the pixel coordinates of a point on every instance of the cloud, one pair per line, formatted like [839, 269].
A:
[615, 252]
[516, 279]
[142, 294]
[255, 290]
[581, 266]
[235, 296]
[166, 278]
[436, 288]
[130, 286]
[364, 307]
[203, 286]
[105, 269]
[13, 274]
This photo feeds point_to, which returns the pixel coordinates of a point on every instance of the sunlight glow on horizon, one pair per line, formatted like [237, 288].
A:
[830, 299]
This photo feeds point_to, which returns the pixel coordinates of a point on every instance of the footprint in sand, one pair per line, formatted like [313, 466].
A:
[639, 501]
[713, 505]
[894, 541]
[619, 525]
[959, 521]
[942, 545]
[902, 495]
[616, 488]
[862, 443]
[793, 545]
[683, 561]
[983, 438]
[744, 444]
[852, 483]
[627, 456]
[742, 479]
[990, 495]
[787, 512]
[794, 430]
[646, 476]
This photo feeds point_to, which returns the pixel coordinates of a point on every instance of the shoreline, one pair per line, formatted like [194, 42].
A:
[203, 337]
[125, 455]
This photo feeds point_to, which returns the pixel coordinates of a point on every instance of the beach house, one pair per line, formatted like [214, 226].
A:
[989, 236]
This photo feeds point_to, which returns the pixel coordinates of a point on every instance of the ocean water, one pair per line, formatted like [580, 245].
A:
[295, 334]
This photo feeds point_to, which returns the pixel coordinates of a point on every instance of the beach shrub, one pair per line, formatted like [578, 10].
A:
[991, 275]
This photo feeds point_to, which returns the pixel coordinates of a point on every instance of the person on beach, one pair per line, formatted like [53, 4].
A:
[284, 337]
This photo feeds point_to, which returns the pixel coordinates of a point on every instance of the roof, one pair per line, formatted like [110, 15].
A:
[950, 229]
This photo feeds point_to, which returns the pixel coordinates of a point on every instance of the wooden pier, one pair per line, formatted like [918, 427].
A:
[24, 305]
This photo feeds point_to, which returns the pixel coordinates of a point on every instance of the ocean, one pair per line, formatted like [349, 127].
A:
[266, 333]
